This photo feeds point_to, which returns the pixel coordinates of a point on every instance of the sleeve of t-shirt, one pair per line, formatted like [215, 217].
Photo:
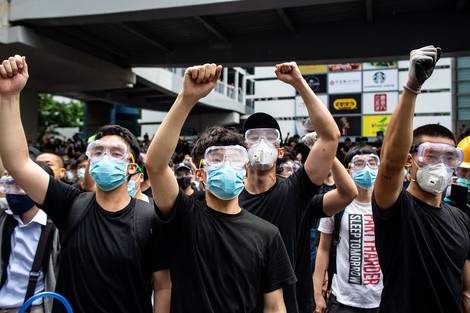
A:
[59, 199]
[327, 225]
[279, 272]
[395, 212]
[315, 208]
[301, 187]
[181, 210]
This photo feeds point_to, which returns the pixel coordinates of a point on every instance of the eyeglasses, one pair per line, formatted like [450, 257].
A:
[434, 153]
[9, 187]
[216, 156]
[117, 150]
[359, 161]
[254, 135]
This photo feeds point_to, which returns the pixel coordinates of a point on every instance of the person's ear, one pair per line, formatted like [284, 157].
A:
[132, 168]
[409, 161]
[280, 152]
[199, 174]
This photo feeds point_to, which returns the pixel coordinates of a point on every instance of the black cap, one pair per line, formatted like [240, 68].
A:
[261, 120]
[183, 167]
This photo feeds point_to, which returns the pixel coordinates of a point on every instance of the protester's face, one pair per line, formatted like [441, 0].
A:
[54, 163]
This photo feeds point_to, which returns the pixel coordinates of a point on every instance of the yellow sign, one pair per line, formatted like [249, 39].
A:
[313, 69]
[371, 124]
[345, 104]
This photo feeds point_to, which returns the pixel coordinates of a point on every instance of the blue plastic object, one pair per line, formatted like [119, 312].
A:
[46, 294]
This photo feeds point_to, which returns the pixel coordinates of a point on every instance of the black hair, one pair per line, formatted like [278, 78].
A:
[83, 157]
[58, 156]
[215, 136]
[357, 150]
[45, 167]
[124, 133]
[432, 130]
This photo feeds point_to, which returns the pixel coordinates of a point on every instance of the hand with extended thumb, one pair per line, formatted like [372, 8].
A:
[422, 63]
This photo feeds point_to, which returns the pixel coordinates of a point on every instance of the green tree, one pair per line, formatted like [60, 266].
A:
[53, 114]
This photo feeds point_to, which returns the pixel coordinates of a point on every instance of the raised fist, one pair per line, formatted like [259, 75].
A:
[422, 63]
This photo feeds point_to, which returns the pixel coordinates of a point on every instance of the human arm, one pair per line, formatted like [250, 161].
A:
[321, 269]
[466, 288]
[188, 159]
[274, 302]
[88, 184]
[13, 144]
[399, 135]
[198, 82]
[161, 291]
[345, 192]
[321, 155]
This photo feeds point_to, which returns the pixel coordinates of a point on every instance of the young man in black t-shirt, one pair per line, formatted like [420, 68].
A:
[423, 244]
[107, 261]
[285, 203]
[222, 258]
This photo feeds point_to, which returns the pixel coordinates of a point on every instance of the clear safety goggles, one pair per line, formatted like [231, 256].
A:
[216, 156]
[290, 166]
[359, 161]
[434, 153]
[114, 149]
[9, 187]
[254, 135]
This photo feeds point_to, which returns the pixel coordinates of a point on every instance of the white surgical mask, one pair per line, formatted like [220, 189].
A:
[262, 155]
[433, 178]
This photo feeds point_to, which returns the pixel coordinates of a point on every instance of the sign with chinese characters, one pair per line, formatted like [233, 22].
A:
[379, 103]
[344, 82]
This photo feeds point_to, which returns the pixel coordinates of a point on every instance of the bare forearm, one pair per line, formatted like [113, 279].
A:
[320, 117]
[166, 138]
[13, 144]
[399, 131]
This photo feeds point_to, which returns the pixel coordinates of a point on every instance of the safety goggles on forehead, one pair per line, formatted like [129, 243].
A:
[358, 162]
[215, 156]
[9, 187]
[255, 134]
[114, 149]
[434, 153]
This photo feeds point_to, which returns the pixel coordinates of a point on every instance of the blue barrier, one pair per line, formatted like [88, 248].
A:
[46, 294]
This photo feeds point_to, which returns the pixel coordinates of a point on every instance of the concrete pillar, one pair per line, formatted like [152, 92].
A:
[98, 114]
[29, 113]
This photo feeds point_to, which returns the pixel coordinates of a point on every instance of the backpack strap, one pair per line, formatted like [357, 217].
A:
[334, 248]
[338, 217]
[80, 207]
[36, 267]
[144, 214]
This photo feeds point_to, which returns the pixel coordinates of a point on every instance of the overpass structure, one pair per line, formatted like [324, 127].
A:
[95, 50]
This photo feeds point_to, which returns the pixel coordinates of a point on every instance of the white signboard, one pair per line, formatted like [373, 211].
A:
[380, 80]
[379, 102]
[344, 82]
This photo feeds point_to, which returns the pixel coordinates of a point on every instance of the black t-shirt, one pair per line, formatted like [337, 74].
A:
[285, 205]
[422, 251]
[102, 267]
[223, 262]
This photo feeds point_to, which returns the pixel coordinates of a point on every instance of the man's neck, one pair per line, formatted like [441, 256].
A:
[114, 200]
[223, 206]
[260, 181]
[426, 197]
